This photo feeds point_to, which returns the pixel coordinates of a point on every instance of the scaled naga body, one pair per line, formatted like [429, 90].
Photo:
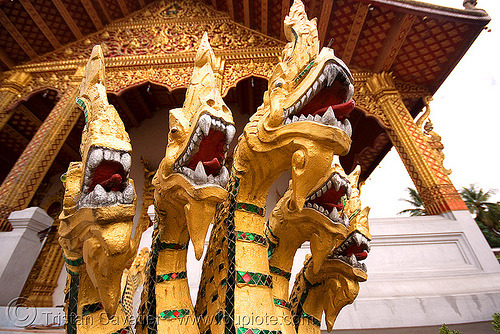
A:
[302, 125]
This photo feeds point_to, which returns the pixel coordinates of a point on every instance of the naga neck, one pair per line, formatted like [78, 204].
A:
[173, 301]
[84, 309]
[257, 170]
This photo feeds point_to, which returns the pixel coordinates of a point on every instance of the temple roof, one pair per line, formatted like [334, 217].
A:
[418, 42]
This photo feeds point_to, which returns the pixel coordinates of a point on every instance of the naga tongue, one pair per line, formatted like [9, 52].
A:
[113, 183]
[212, 167]
[340, 110]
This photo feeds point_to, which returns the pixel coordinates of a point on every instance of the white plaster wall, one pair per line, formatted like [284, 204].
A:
[20, 248]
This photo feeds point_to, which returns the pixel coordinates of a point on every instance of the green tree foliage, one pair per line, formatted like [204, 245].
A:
[445, 330]
[487, 214]
[417, 203]
[496, 322]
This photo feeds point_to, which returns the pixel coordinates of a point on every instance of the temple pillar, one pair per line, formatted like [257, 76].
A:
[10, 90]
[20, 249]
[427, 173]
[29, 170]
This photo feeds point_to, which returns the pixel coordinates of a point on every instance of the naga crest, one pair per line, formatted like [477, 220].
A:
[99, 202]
[192, 174]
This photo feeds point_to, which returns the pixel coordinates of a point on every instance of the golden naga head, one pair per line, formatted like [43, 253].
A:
[308, 86]
[306, 105]
[99, 201]
[339, 273]
[192, 174]
[323, 214]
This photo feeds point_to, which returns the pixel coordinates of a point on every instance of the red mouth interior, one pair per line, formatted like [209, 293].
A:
[360, 252]
[210, 153]
[329, 97]
[110, 175]
[331, 199]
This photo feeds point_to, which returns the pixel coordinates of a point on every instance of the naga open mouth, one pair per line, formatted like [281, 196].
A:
[329, 199]
[327, 101]
[353, 250]
[204, 158]
[106, 178]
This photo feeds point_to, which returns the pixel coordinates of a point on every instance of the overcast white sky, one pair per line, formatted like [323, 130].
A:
[466, 113]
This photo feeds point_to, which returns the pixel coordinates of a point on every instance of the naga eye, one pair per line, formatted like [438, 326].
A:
[174, 130]
[279, 84]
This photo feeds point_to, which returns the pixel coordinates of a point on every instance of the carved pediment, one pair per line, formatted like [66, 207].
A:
[162, 31]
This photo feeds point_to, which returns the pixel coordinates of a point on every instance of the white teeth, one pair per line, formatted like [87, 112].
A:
[315, 86]
[329, 184]
[313, 196]
[200, 177]
[358, 238]
[348, 191]
[324, 189]
[128, 194]
[288, 121]
[350, 93]
[346, 220]
[295, 118]
[308, 94]
[195, 137]
[334, 214]
[329, 116]
[352, 259]
[322, 77]
[107, 155]
[204, 123]
[111, 197]
[223, 177]
[318, 119]
[303, 100]
[230, 132]
[337, 183]
[94, 158]
[119, 197]
[321, 209]
[126, 161]
[302, 118]
[187, 171]
[211, 179]
[311, 117]
[332, 73]
[347, 127]
[99, 194]
[315, 206]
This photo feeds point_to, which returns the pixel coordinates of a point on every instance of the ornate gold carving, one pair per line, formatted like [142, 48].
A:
[10, 92]
[172, 77]
[433, 139]
[421, 161]
[152, 35]
[147, 194]
[235, 71]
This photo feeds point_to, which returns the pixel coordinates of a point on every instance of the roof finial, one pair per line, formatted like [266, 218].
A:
[470, 4]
